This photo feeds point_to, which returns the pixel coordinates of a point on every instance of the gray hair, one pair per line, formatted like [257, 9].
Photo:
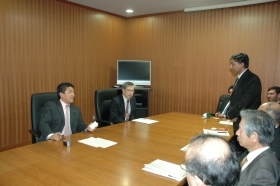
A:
[260, 122]
[127, 84]
[273, 111]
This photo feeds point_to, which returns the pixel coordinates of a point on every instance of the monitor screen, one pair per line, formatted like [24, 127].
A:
[136, 71]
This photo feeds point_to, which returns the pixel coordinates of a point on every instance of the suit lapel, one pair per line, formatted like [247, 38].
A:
[122, 103]
[240, 80]
[60, 110]
[72, 113]
[268, 151]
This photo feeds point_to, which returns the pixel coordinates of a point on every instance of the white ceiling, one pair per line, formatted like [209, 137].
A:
[145, 7]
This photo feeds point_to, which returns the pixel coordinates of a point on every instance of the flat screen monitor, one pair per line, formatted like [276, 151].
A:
[136, 71]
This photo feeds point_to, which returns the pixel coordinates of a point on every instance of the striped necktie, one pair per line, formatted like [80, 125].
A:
[126, 111]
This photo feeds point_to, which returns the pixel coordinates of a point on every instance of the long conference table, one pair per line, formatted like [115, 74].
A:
[51, 163]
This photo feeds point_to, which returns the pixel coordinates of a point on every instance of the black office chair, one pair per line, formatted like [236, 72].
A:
[224, 99]
[102, 100]
[37, 102]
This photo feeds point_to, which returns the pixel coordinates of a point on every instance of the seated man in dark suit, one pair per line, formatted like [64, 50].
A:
[273, 94]
[122, 107]
[255, 133]
[273, 109]
[62, 118]
[210, 161]
[223, 104]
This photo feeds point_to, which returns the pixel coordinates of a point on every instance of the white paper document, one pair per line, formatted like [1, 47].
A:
[97, 142]
[144, 120]
[215, 132]
[227, 122]
[185, 148]
[166, 169]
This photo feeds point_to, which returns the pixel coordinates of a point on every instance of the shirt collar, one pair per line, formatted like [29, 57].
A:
[239, 75]
[63, 104]
[252, 155]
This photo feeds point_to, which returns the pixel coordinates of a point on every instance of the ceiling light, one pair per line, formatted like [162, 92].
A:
[129, 11]
[227, 5]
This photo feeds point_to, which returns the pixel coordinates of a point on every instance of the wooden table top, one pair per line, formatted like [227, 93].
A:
[51, 163]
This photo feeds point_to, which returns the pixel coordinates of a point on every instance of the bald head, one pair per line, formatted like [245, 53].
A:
[208, 148]
[210, 159]
[273, 109]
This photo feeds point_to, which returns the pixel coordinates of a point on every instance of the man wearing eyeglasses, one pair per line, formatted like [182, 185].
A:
[122, 107]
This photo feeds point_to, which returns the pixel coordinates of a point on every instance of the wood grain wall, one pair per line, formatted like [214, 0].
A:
[45, 42]
[190, 53]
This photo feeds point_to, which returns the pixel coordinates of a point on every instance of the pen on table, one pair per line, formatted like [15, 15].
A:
[222, 132]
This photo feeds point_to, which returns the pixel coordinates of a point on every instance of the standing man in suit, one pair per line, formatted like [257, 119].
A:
[53, 123]
[273, 109]
[246, 92]
[255, 133]
[210, 161]
[273, 94]
[122, 107]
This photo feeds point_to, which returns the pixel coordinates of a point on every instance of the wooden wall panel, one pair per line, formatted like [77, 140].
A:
[190, 53]
[277, 66]
[254, 30]
[45, 42]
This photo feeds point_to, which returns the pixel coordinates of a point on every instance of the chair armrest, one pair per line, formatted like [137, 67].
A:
[103, 123]
[36, 134]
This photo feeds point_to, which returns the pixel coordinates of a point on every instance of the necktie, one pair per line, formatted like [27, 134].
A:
[235, 83]
[126, 111]
[244, 160]
[67, 128]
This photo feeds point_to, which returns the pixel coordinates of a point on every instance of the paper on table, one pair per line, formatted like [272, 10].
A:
[166, 169]
[227, 122]
[144, 120]
[97, 142]
[217, 133]
[185, 148]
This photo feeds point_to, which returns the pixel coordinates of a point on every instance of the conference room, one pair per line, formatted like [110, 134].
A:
[45, 42]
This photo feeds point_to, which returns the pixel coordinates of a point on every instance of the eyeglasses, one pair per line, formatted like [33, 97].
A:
[183, 166]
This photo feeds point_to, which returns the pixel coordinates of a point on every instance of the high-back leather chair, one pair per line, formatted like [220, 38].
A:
[102, 100]
[38, 100]
[224, 99]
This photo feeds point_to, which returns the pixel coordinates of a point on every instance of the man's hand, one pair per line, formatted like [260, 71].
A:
[91, 127]
[56, 136]
[234, 119]
[219, 115]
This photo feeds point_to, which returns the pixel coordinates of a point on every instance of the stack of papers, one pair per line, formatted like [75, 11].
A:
[166, 169]
[216, 132]
[227, 122]
[144, 120]
[97, 142]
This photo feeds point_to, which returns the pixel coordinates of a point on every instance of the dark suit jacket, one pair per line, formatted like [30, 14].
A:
[223, 101]
[263, 170]
[53, 120]
[246, 95]
[117, 109]
[275, 145]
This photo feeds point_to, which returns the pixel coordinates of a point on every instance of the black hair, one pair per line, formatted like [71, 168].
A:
[241, 58]
[62, 88]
